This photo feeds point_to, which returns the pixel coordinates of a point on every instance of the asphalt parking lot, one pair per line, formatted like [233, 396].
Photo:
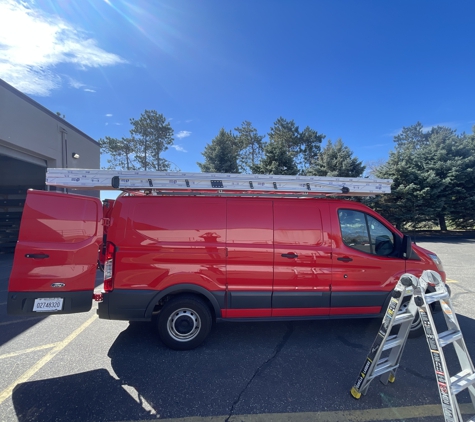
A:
[80, 368]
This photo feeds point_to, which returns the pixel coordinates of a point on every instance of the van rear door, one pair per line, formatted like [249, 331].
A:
[54, 267]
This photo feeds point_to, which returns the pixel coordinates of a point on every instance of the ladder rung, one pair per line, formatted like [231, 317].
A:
[392, 342]
[449, 336]
[401, 318]
[462, 380]
[434, 297]
[382, 367]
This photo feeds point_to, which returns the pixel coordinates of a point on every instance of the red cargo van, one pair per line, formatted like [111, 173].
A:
[187, 261]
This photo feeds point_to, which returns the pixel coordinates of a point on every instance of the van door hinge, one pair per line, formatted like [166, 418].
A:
[106, 222]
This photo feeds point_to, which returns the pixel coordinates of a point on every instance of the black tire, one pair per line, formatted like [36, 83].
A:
[184, 322]
[416, 329]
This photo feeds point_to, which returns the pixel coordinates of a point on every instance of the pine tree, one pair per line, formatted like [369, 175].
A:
[433, 175]
[221, 154]
[121, 153]
[337, 161]
[250, 146]
[152, 135]
[276, 160]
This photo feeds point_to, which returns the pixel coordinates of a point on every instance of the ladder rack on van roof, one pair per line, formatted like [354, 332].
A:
[186, 183]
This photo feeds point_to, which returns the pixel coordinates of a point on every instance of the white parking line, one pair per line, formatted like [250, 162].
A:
[44, 360]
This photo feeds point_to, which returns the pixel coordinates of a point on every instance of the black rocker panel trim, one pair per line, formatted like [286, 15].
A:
[357, 299]
[249, 300]
[300, 300]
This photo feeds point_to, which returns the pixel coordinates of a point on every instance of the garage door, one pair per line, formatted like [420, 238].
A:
[16, 177]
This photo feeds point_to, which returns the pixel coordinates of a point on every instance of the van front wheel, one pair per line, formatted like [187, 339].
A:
[416, 329]
[184, 323]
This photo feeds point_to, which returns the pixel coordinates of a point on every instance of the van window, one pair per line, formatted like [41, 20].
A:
[57, 220]
[364, 233]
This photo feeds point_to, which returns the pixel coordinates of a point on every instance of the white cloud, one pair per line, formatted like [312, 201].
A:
[32, 43]
[183, 134]
[108, 115]
[179, 148]
[74, 83]
[89, 90]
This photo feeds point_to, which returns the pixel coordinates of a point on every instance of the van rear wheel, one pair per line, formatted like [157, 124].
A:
[184, 323]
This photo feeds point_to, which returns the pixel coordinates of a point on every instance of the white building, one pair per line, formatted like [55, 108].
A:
[33, 138]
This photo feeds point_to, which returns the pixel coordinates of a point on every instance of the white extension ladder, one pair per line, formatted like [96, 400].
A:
[385, 367]
[214, 182]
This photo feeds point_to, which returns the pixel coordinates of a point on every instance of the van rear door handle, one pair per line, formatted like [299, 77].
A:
[289, 255]
[36, 255]
[345, 259]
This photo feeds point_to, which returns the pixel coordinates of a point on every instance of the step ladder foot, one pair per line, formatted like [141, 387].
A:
[392, 378]
[355, 393]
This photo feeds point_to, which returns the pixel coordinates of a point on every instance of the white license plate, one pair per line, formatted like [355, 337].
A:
[48, 304]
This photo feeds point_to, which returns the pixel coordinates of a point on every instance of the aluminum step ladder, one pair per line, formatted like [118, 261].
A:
[448, 386]
[387, 343]
[420, 302]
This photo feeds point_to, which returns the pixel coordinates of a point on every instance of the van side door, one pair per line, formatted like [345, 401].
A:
[366, 261]
[302, 259]
[55, 262]
[250, 254]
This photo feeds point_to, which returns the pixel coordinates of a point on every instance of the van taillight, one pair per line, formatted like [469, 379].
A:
[109, 267]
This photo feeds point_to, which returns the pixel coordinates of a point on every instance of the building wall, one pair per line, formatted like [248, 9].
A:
[28, 129]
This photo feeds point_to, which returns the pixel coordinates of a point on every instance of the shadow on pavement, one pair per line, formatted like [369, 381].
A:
[88, 396]
[253, 368]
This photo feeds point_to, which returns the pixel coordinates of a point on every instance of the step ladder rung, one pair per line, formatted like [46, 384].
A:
[462, 380]
[403, 317]
[435, 296]
[449, 336]
[383, 366]
[392, 342]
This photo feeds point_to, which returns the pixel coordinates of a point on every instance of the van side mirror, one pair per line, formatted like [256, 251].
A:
[406, 247]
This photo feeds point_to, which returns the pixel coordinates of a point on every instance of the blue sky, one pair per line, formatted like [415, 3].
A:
[355, 70]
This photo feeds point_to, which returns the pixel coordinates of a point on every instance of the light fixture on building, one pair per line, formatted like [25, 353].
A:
[75, 155]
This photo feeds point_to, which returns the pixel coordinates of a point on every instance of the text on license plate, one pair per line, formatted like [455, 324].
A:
[48, 304]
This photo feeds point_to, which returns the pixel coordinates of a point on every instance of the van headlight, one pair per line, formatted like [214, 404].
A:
[437, 261]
